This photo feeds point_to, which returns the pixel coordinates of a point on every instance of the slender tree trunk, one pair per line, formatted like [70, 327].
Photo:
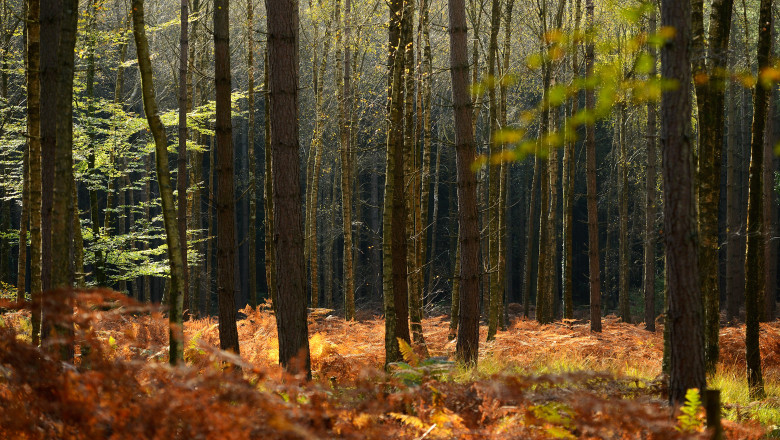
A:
[734, 258]
[568, 190]
[709, 79]
[34, 146]
[226, 205]
[625, 306]
[685, 305]
[754, 276]
[176, 296]
[394, 215]
[345, 123]
[494, 177]
[650, 199]
[270, 246]
[593, 213]
[426, 255]
[503, 193]
[181, 176]
[288, 236]
[770, 216]
[21, 274]
[467, 347]
[147, 216]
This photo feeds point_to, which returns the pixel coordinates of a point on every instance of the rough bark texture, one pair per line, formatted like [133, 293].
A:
[268, 200]
[709, 78]
[623, 300]
[345, 129]
[226, 205]
[754, 276]
[394, 214]
[494, 176]
[770, 217]
[250, 142]
[176, 297]
[568, 190]
[288, 234]
[685, 306]
[593, 213]
[34, 146]
[181, 176]
[648, 278]
[467, 346]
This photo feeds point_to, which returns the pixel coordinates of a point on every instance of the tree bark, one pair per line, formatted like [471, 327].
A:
[176, 296]
[593, 213]
[345, 135]
[394, 214]
[494, 176]
[754, 276]
[648, 279]
[709, 78]
[226, 205]
[288, 233]
[34, 147]
[467, 346]
[770, 217]
[685, 305]
[181, 176]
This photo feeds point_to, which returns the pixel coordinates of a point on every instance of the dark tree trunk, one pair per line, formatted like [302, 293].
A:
[467, 347]
[685, 305]
[288, 234]
[754, 276]
[226, 205]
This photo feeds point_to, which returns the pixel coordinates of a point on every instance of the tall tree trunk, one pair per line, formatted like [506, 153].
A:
[426, 254]
[34, 147]
[532, 245]
[21, 273]
[412, 182]
[624, 304]
[590, 169]
[503, 193]
[467, 346]
[226, 204]
[735, 260]
[345, 134]
[268, 207]
[685, 306]
[181, 176]
[770, 216]
[250, 142]
[648, 278]
[754, 276]
[176, 296]
[568, 189]
[709, 79]
[394, 215]
[494, 176]
[288, 234]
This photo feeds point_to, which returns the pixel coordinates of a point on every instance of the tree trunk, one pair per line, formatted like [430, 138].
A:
[754, 276]
[648, 279]
[494, 176]
[288, 234]
[345, 135]
[770, 217]
[467, 347]
[590, 169]
[624, 304]
[181, 176]
[21, 273]
[226, 205]
[709, 79]
[34, 146]
[735, 260]
[568, 190]
[270, 246]
[685, 305]
[176, 296]
[394, 214]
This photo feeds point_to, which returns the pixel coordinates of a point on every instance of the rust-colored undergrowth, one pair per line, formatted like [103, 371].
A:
[122, 387]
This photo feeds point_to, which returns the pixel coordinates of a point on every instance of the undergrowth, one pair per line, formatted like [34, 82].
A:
[533, 381]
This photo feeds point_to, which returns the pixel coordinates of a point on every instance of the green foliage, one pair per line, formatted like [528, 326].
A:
[690, 418]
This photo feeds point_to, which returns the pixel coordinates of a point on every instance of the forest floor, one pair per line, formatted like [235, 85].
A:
[533, 381]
